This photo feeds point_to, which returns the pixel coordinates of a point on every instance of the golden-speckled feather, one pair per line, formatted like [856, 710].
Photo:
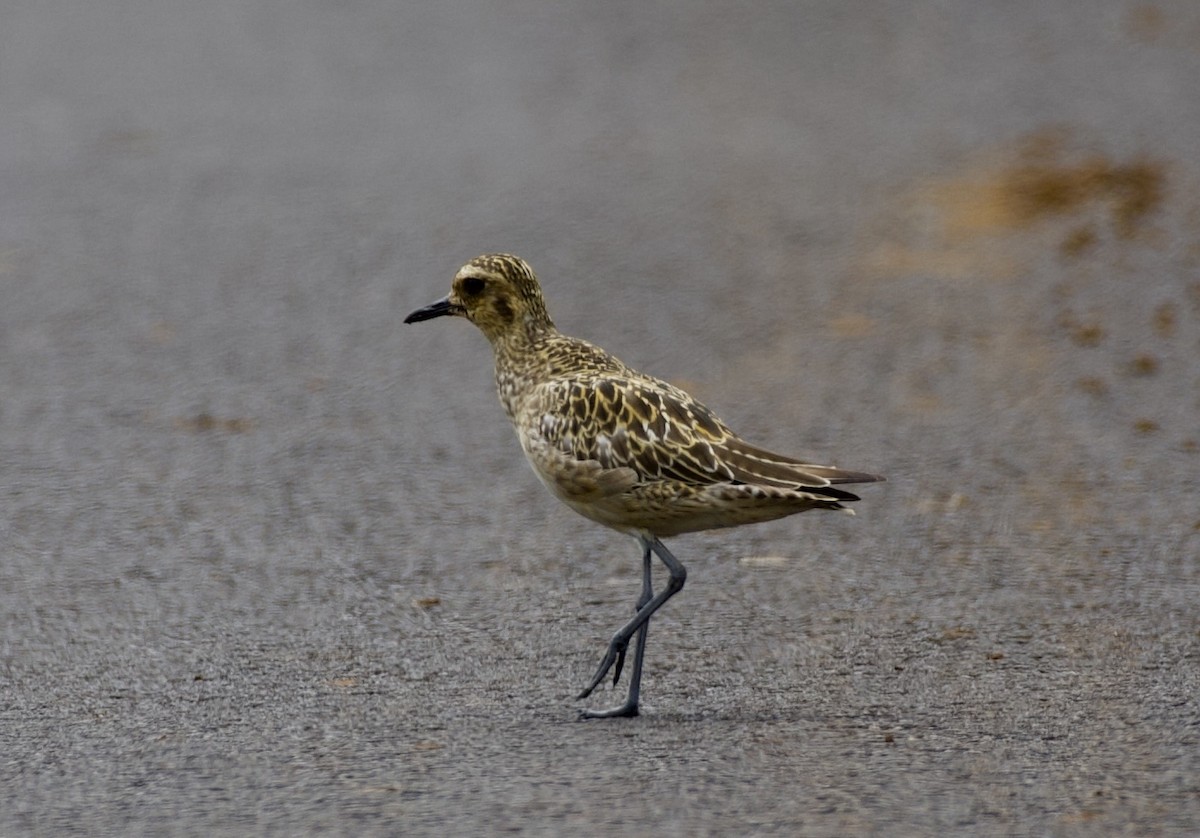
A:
[620, 447]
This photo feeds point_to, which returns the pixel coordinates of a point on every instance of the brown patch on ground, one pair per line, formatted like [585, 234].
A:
[1145, 23]
[1042, 181]
[852, 326]
[960, 223]
[1146, 426]
[1143, 365]
[1078, 241]
[162, 333]
[1085, 333]
[1175, 27]
[207, 423]
[1165, 319]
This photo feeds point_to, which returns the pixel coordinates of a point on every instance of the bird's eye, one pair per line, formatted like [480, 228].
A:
[472, 285]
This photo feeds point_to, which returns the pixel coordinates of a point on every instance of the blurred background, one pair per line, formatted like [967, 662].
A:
[270, 560]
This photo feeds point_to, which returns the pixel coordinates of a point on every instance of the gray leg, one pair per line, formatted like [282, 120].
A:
[630, 707]
[620, 640]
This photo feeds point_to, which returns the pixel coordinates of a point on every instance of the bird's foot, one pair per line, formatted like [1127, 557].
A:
[627, 710]
[618, 666]
[615, 656]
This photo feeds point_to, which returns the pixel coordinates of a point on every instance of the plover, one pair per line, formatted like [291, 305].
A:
[624, 449]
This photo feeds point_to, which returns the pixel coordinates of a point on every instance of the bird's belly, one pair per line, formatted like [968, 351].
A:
[667, 509]
[622, 499]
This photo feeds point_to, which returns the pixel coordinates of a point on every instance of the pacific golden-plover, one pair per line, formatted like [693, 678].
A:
[624, 449]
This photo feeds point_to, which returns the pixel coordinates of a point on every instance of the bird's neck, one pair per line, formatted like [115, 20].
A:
[521, 356]
[520, 345]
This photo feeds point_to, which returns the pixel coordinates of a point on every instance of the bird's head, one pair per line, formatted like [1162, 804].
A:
[498, 293]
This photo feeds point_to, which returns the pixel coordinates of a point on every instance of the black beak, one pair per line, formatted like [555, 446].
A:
[439, 309]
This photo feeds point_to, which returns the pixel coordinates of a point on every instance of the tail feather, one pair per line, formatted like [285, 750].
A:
[752, 464]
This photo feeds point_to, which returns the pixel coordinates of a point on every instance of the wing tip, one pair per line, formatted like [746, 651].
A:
[842, 476]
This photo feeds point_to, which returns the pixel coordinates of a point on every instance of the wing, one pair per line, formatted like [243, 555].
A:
[662, 433]
[751, 464]
[626, 422]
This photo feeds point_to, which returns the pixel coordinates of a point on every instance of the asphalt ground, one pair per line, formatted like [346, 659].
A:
[271, 562]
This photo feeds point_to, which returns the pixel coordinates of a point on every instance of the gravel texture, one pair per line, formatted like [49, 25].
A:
[272, 562]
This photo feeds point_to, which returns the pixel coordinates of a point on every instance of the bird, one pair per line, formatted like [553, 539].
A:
[624, 449]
